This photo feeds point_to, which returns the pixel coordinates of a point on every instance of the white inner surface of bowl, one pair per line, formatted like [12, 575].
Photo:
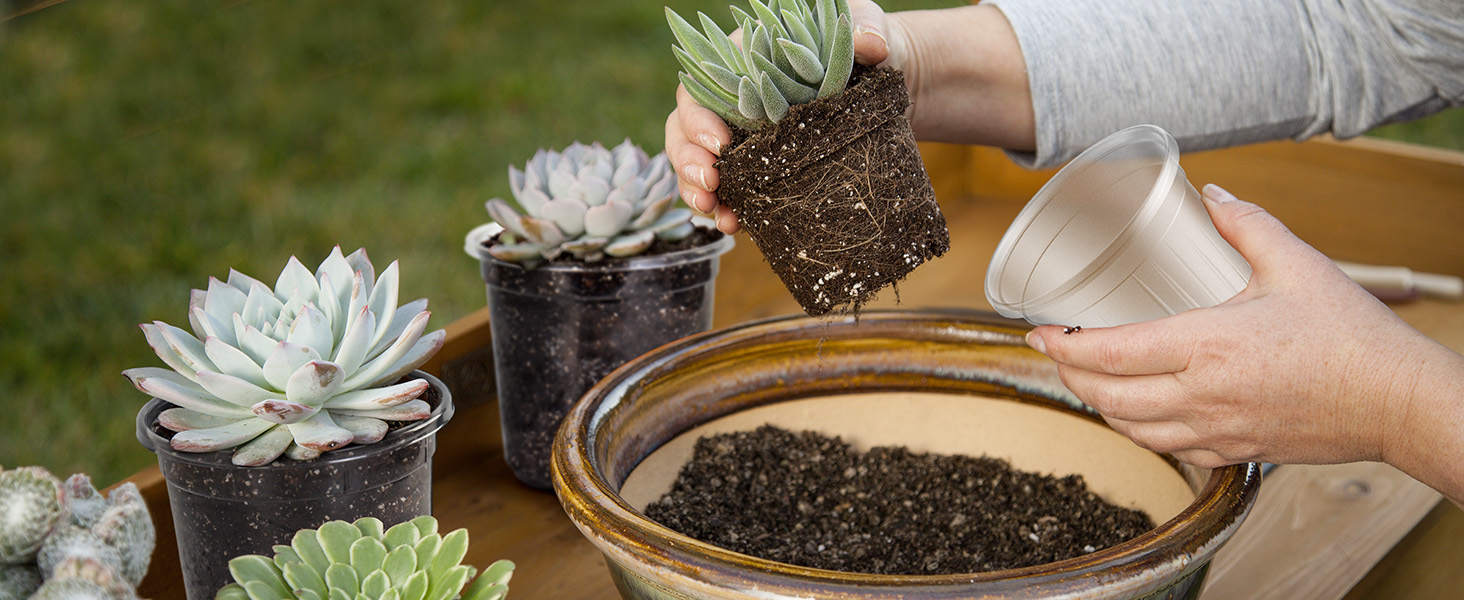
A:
[1031, 437]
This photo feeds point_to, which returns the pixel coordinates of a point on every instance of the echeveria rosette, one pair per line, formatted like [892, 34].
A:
[790, 54]
[297, 369]
[363, 561]
[588, 201]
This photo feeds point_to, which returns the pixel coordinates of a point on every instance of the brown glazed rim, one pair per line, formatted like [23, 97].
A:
[1137, 567]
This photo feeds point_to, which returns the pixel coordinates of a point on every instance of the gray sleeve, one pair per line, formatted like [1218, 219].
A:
[1219, 73]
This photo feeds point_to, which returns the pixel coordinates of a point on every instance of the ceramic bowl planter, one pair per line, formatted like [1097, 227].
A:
[942, 382]
[559, 327]
[221, 511]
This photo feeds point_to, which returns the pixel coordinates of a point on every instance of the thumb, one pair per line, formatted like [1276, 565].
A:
[871, 44]
[1259, 237]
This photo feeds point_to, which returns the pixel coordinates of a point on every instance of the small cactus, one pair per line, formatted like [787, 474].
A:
[361, 560]
[66, 541]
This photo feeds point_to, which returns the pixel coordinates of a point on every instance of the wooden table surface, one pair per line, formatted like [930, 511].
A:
[1324, 532]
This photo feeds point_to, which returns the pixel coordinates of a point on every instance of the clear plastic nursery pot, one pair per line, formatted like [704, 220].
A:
[558, 328]
[221, 511]
[1117, 236]
[931, 381]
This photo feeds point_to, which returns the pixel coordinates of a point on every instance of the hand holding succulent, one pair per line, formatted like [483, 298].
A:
[790, 54]
[587, 201]
[295, 369]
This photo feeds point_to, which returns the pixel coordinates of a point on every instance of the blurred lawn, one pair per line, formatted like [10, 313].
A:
[146, 146]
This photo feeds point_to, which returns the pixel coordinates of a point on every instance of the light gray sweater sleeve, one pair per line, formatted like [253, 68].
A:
[1218, 73]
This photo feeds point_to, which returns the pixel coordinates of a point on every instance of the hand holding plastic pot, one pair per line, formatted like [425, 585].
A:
[1117, 236]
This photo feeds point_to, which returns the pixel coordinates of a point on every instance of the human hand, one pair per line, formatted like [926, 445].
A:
[696, 136]
[1303, 366]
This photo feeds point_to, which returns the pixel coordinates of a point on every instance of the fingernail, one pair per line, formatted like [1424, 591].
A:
[1216, 194]
[696, 173]
[710, 142]
[717, 218]
[863, 30]
[1035, 341]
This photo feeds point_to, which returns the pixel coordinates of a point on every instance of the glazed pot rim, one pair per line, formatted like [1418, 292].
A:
[410, 433]
[624, 534]
[477, 239]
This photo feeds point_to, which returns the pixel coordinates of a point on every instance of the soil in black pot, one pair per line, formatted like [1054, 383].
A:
[558, 331]
[835, 194]
[810, 500]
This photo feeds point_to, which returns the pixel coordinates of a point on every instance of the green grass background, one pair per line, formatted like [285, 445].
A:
[146, 146]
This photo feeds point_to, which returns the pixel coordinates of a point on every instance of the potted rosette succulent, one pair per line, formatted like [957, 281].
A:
[288, 406]
[823, 170]
[590, 265]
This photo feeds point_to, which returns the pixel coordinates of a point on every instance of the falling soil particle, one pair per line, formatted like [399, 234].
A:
[810, 500]
[835, 194]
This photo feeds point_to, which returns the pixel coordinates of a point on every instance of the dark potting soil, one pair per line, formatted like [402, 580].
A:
[557, 332]
[810, 500]
[835, 195]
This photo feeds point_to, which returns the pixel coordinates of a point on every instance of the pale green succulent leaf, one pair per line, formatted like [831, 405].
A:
[416, 587]
[449, 583]
[403, 534]
[296, 281]
[720, 76]
[356, 340]
[336, 538]
[774, 104]
[336, 594]
[709, 85]
[401, 319]
[828, 15]
[236, 391]
[749, 105]
[633, 192]
[518, 253]
[841, 59]
[730, 56]
[301, 577]
[367, 555]
[532, 200]
[259, 590]
[314, 382]
[207, 326]
[338, 267]
[383, 302]
[306, 543]
[672, 218]
[307, 594]
[724, 109]
[186, 347]
[691, 40]
[769, 19]
[560, 179]
[400, 563]
[591, 191]
[263, 449]
[798, 28]
[252, 567]
[371, 527]
[607, 219]
[406, 411]
[261, 306]
[253, 342]
[232, 591]
[319, 432]
[379, 397]
[312, 328]
[568, 215]
[450, 554]
[284, 361]
[340, 577]
[286, 554]
[498, 573]
[504, 215]
[219, 438]
[283, 412]
[297, 452]
[541, 231]
[485, 591]
[676, 232]
[791, 89]
[364, 430]
[426, 525]
[426, 549]
[222, 300]
[183, 419]
[583, 248]
[423, 349]
[631, 244]
[374, 585]
[805, 62]
[653, 212]
[173, 387]
[387, 362]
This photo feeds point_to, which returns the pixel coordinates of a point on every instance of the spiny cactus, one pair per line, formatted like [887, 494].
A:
[360, 561]
[299, 369]
[90, 546]
[790, 54]
[587, 201]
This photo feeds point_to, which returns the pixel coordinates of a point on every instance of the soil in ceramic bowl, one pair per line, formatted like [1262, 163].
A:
[813, 500]
[1126, 488]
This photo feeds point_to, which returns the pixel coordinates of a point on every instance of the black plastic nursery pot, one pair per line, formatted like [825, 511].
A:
[560, 327]
[221, 511]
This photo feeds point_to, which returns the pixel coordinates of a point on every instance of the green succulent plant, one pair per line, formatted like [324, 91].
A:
[306, 367]
[588, 201]
[65, 540]
[790, 54]
[360, 561]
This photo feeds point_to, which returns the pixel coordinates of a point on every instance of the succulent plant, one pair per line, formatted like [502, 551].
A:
[306, 367]
[360, 561]
[67, 541]
[790, 54]
[587, 201]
